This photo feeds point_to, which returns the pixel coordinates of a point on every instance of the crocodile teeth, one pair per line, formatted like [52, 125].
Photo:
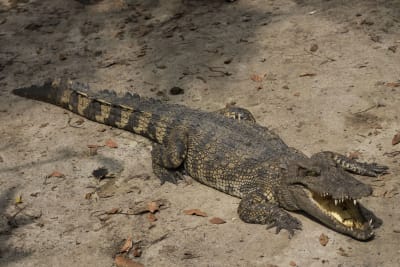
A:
[370, 222]
[354, 202]
[336, 202]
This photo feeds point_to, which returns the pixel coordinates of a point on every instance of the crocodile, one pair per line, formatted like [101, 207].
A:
[229, 151]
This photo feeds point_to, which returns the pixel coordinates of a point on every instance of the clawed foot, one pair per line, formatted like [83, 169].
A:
[351, 165]
[287, 222]
[374, 169]
[172, 177]
[166, 175]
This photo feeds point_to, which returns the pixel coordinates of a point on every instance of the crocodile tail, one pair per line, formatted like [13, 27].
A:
[130, 112]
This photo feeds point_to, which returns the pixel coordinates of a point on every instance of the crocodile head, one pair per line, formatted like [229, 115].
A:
[330, 195]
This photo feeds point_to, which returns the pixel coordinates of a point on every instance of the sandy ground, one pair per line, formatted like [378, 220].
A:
[323, 74]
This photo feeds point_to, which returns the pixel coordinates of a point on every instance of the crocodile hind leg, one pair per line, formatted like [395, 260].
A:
[362, 168]
[167, 158]
[255, 208]
[237, 113]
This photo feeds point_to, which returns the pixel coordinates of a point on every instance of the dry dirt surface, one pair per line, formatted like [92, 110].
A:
[325, 75]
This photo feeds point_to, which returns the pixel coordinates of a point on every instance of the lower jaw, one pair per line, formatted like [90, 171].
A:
[362, 235]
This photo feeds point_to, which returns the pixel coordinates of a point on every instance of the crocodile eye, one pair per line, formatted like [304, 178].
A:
[313, 172]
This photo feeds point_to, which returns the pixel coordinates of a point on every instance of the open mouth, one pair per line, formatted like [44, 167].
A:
[344, 215]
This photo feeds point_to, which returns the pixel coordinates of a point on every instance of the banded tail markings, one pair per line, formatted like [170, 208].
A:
[83, 102]
[141, 122]
[137, 118]
[121, 116]
[125, 113]
[84, 105]
[102, 111]
[105, 109]
[65, 98]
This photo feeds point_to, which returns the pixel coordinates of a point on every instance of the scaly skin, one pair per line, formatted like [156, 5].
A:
[229, 151]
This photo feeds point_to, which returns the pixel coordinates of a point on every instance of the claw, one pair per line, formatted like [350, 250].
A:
[278, 229]
[291, 234]
[271, 225]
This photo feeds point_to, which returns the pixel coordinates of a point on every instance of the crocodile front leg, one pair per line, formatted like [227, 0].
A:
[255, 208]
[167, 159]
[362, 168]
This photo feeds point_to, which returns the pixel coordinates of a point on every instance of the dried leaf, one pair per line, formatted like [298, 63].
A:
[121, 261]
[196, 212]
[394, 84]
[323, 239]
[127, 245]
[256, 78]
[307, 75]
[396, 139]
[18, 199]
[141, 207]
[113, 211]
[111, 144]
[56, 174]
[151, 217]
[216, 220]
[88, 195]
[153, 206]
[292, 263]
